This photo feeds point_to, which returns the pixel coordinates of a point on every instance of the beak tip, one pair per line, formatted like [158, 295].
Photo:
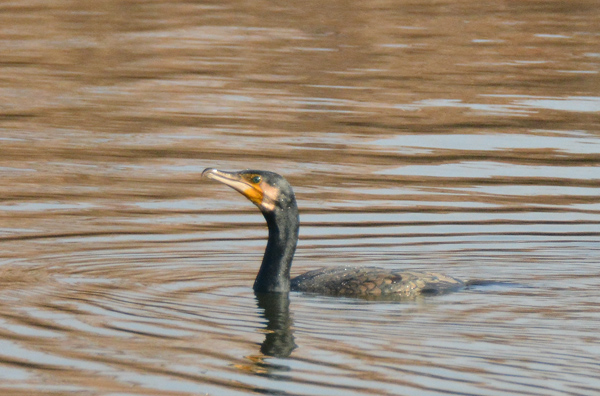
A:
[208, 172]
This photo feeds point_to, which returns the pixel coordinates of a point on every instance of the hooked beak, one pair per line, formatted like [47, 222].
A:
[234, 180]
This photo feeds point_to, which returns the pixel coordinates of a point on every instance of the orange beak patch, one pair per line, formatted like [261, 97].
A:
[242, 183]
[254, 194]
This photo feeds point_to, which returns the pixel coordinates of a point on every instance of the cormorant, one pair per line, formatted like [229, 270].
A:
[275, 198]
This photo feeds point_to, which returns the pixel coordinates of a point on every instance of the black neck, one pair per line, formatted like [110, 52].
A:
[274, 273]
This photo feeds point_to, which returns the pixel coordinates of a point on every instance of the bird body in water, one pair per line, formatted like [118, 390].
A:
[275, 198]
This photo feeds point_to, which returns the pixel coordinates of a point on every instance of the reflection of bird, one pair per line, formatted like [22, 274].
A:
[279, 338]
[274, 197]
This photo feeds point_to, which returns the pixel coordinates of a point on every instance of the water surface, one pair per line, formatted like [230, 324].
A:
[456, 137]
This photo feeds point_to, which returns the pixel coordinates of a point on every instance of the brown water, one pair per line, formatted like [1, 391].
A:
[460, 137]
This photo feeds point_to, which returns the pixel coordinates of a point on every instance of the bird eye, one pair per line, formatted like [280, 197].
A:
[256, 179]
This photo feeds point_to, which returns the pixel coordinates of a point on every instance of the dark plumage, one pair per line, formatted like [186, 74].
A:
[275, 198]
